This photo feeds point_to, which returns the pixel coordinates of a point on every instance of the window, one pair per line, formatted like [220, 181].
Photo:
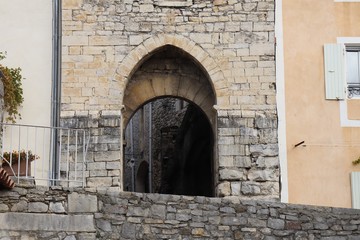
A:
[334, 64]
[342, 70]
[353, 71]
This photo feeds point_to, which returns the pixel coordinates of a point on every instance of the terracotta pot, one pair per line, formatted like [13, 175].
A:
[15, 169]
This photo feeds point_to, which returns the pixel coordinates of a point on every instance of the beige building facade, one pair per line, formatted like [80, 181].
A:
[26, 29]
[322, 132]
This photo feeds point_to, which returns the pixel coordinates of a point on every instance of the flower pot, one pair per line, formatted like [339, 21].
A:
[15, 167]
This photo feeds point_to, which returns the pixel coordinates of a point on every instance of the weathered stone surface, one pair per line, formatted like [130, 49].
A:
[158, 211]
[103, 225]
[223, 189]
[262, 175]
[269, 150]
[20, 206]
[138, 216]
[3, 207]
[128, 230]
[107, 42]
[250, 188]
[231, 174]
[46, 222]
[276, 223]
[37, 207]
[56, 207]
[82, 203]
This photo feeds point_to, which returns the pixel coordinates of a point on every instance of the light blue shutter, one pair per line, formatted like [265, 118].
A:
[334, 60]
[355, 189]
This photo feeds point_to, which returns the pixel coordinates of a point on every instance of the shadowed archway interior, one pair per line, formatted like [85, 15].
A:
[170, 120]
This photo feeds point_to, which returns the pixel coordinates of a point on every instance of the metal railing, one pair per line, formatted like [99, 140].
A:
[47, 155]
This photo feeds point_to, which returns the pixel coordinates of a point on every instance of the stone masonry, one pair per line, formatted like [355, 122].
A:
[105, 43]
[65, 213]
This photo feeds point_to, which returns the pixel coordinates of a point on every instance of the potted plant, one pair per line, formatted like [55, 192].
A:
[13, 92]
[18, 160]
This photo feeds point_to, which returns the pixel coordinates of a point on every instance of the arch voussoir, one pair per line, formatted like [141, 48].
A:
[140, 53]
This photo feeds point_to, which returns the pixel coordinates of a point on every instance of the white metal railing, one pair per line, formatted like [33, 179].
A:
[48, 155]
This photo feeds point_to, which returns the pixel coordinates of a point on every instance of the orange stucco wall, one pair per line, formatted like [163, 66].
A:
[318, 173]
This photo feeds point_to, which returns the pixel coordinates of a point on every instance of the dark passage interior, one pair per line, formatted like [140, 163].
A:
[169, 149]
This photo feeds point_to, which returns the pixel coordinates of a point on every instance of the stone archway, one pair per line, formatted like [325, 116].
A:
[203, 60]
[169, 71]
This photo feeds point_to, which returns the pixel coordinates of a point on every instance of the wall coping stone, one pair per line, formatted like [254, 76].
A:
[46, 222]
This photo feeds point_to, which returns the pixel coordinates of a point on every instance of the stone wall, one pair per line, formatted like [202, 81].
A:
[103, 167]
[42, 213]
[106, 42]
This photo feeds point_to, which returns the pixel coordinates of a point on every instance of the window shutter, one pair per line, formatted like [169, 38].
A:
[334, 71]
[355, 189]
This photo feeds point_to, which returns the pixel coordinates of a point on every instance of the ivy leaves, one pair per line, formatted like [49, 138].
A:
[13, 92]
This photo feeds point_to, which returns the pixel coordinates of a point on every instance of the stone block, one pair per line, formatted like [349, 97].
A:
[250, 188]
[103, 225]
[95, 166]
[99, 181]
[128, 230]
[232, 174]
[223, 189]
[75, 40]
[21, 206]
[98, 173]
[233, 221]
[56, 207]
[72, 4]
[262, 49]
[231, 150]
[112, 40]
[262, 175]
[158, 211]
[113, 165]
[226, 161]
[265, 6]
[4, 207]
[145, 8]
[276, 223]
[267, 162]
[268, 150]
[242, 161]
[265, 121]
[46, 222]
[107, 156]
[82, 203]
[38, 207]
[235, 188]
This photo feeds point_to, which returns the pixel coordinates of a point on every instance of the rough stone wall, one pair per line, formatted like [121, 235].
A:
[42, 213]
[232, 41]
[103, 168]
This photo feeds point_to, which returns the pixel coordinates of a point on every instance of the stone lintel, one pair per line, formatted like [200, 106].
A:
[46, 222]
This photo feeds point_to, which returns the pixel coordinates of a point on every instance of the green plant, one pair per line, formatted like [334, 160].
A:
[13, 92]
[13, 157]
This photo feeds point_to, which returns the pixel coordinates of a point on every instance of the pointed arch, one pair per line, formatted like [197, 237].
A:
[145, 50]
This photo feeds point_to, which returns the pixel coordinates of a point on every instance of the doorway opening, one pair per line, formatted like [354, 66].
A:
[169, 149]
